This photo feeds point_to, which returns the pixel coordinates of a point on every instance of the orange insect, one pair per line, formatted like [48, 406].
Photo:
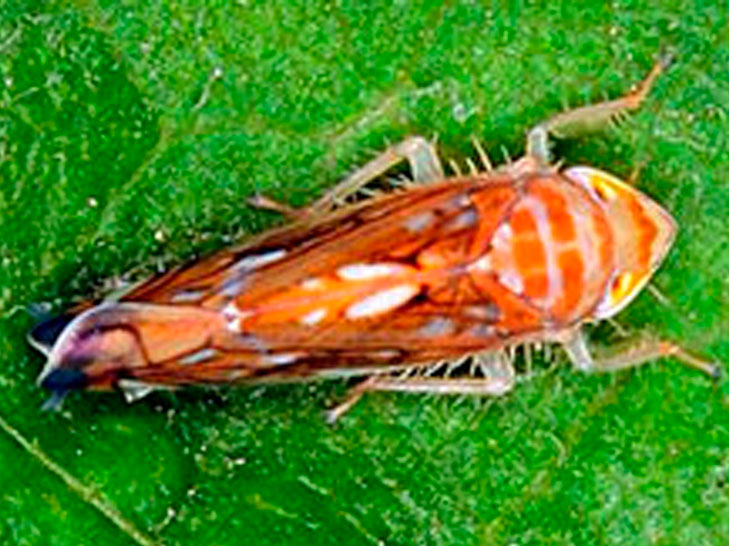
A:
[440, 270]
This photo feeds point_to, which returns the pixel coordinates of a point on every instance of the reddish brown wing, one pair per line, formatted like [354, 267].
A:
[391, 227]
[429, 234]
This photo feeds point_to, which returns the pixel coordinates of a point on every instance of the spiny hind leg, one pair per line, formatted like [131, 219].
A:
[484, 162]
[264, 202]
[421, 155]
[590, 118]
[632, 355]
[499, 378]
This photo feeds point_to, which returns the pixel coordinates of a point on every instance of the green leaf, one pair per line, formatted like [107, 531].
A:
[131, 135]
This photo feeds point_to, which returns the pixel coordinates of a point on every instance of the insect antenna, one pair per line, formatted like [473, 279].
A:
[622, 332]
[662, 299]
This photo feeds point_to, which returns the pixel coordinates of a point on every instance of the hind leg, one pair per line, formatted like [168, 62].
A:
[589, 118]
[499, 379]
[632, 355]
[420, 154]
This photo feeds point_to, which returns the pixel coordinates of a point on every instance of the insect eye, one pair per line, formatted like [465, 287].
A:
[604, 190]
[603, 186]
[45, 334]
[64, 379]
[622, 284]
[600, 192]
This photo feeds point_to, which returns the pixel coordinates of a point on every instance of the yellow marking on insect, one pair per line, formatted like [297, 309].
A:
[622, 285]
[605, 186]
[618, 290]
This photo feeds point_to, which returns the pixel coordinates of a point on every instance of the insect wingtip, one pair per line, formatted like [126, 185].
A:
[666, 59]
[331, 417]
[54, 402]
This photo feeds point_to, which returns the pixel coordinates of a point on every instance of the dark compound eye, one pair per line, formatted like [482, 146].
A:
[46, 333]
[62, 380]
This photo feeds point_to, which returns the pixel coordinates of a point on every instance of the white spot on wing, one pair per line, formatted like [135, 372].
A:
[235, 317]
[232, 287]
[482, 331]
[314, 317]
[313, 283]
[382, 302]
[187, 296]
[482, 264]
[502, 236]
[466, 219]
[419, 222]
[231, 311]
[363, 272]
[199, 356]
[254, 262]
[280, 359]
[487, 312]
[235, 326]
[438, 326]
[513, 281]
[463, 201]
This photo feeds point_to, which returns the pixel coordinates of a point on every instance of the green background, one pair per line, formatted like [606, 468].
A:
[131, 135]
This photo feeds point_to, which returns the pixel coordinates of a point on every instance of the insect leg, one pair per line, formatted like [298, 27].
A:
[632, 355]
[420, 154]
[482, 155]
[266, 203]
[497, 384]
[589, 118]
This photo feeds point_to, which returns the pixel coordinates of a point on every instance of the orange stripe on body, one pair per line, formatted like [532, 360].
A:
[529, 254]
[572, 267]
[562, 248]
[539, 209]
[562, 208]
[646, 233]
